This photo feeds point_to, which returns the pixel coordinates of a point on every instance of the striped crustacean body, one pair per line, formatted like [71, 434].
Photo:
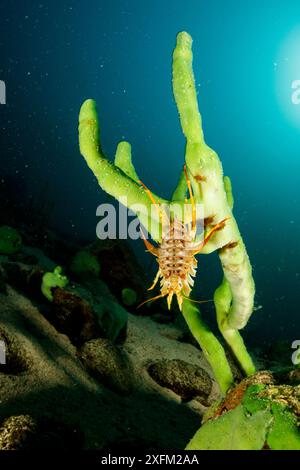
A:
[177, 263]
[176, 252]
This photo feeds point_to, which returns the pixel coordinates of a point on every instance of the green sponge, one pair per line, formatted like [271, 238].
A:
[264, 419]
[85, 265]
[51, 280]
[129, 296]
[10, 240]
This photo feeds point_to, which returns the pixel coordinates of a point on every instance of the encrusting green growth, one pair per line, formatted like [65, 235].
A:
[85, 265]
[51, 280]
[234, 299]
[233, 431]
[129, 296]
[265, 417]
[10, 240]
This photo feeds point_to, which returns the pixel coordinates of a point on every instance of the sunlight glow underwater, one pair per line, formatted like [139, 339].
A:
[287, 69]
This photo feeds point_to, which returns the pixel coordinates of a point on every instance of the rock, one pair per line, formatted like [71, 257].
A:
[112, 317]
[74, 316]
[120, 269]
[289, 376]
[16, 360]
[27, 279]
[22, 432]
[187, 380]
[16, 432]
[84, 315]
[109, 364]
[72, 408]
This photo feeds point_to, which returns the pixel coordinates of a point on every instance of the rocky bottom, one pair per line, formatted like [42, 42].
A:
[149, 393]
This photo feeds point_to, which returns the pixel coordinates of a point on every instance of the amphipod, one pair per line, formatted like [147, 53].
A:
[176, 252]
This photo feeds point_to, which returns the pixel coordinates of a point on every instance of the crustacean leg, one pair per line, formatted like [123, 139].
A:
[152, 249]
[208, 236]
[155, 280]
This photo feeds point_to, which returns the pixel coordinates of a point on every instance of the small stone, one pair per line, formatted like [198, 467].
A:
[16, 432]
[16, 359]
[187, 380]
[109, 364]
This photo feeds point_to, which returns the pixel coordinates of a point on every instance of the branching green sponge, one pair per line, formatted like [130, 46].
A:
[208, 185]
[234, 299]
[51, 280]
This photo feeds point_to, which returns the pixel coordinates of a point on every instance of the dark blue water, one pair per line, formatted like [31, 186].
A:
[56, 54]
